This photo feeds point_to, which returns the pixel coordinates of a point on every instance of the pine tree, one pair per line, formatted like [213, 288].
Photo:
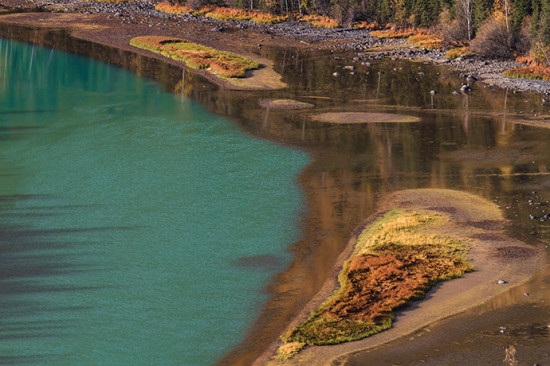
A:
[545, 22]
[535, 19]
[521, 8]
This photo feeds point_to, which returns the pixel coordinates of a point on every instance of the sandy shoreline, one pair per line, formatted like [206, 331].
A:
[495, 256]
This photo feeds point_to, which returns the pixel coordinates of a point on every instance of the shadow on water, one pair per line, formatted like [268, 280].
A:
[474, 142]
[31, 261]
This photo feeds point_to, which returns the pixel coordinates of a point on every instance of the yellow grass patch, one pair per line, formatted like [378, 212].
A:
[366, 25]
[221, 63]
[288, 350]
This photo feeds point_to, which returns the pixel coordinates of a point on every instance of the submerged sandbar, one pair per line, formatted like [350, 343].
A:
[363, 117]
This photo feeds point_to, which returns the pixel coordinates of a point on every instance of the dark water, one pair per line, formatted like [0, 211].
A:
[136, 227]
[478, 143]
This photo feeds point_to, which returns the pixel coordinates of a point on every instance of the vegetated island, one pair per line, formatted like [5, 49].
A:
[227, 65]
[233, 68]
[418, 238]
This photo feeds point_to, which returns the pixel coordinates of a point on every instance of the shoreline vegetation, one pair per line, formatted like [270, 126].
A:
[393, 263]
[419, 238]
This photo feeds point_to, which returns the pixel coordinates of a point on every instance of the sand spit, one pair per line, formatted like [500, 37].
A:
[500, 263]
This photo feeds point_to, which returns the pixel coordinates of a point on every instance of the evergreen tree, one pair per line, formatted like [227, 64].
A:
[545, 22]
[480, 13]
[521, 8]
[535, 19]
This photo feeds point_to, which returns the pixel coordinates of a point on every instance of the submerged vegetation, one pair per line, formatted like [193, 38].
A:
[223, 64]
[395, 260]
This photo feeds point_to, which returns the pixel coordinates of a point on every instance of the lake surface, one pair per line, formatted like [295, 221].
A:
[136, 227]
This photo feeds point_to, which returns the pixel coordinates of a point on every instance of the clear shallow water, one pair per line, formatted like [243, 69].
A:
[136, 227]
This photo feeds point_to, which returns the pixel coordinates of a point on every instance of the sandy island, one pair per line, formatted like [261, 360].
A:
[496, 258]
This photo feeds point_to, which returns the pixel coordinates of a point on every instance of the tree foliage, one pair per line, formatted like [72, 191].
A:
[500, 23]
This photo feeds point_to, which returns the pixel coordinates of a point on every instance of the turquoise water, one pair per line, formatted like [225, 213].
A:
[136, 227]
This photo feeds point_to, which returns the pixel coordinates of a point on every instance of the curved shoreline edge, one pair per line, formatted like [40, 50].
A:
[494, 256]
[99, 32]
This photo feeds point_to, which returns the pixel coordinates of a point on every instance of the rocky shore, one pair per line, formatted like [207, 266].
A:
[143, 13]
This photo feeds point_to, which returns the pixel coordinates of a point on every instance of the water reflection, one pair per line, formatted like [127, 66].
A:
[469, 142]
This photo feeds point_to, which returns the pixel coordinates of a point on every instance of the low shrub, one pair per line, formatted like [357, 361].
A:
[493, 39]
